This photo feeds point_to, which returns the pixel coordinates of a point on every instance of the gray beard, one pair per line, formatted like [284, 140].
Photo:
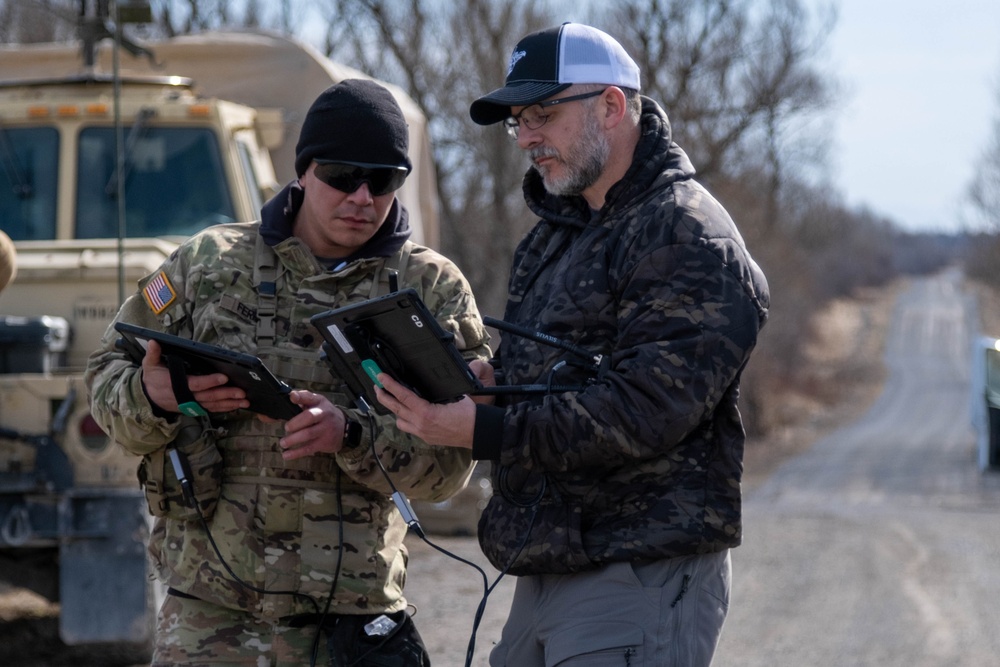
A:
[584, 162]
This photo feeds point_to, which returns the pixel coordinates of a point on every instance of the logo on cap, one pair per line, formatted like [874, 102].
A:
[514, 57]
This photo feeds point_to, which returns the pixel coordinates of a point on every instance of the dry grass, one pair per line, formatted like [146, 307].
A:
[989, 308]
[845, 377]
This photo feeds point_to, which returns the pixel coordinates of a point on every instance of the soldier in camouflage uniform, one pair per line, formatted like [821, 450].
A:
[305, 534]
[618, 503]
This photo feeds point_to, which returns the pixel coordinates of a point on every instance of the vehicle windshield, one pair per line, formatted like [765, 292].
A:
[29, 157]
[174, 183]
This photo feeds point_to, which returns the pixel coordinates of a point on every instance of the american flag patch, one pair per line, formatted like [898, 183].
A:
[159, 293]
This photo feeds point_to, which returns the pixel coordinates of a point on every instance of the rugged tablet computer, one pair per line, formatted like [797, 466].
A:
[267, 394]
[398, 335]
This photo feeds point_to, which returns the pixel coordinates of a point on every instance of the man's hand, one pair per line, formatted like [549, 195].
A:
[319, 428]
[449, 424]
[208, 390]
[484, 372]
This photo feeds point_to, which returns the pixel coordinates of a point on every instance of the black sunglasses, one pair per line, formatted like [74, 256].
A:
[348, 176]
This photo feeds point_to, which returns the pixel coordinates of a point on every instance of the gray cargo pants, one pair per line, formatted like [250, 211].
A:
[667, 613]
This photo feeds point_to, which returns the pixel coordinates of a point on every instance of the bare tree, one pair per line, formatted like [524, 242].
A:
[183, 17]
[734, 75]
[984, 192]
[31, 21]
[983, 256]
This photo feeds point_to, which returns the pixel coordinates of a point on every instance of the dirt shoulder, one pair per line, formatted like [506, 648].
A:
[989, 308]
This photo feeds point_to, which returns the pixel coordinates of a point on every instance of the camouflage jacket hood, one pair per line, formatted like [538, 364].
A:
[646, 460]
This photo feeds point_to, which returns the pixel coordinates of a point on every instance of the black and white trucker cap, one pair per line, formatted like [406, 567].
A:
[549, 61]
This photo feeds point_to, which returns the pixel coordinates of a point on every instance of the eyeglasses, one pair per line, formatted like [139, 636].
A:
[534, 116]
[348, 176]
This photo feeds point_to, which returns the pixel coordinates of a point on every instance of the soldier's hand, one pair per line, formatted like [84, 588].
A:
[319, 428]
[208, 390]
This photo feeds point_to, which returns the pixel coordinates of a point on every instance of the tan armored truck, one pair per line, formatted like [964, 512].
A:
[208, 128]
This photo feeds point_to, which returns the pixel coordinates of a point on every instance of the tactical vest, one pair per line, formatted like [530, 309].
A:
[243, 451]
[248, 445]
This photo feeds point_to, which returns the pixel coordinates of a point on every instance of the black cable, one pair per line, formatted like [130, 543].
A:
[336, 572]
[178, 380]
[237, 579]
[180, 470]
[481, 610]
[414, 524]
[410, 517]
[513, 497]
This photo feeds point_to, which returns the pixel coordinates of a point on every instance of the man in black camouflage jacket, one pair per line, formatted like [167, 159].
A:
[617, 503]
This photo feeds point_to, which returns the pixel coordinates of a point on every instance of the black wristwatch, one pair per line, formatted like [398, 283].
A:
[352, 433]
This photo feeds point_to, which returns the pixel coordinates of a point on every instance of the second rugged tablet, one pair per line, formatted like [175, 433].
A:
[397, 334]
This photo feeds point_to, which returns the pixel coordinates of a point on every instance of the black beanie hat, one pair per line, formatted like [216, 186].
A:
[356, 120]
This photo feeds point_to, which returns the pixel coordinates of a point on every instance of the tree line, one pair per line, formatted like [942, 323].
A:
[743, 81]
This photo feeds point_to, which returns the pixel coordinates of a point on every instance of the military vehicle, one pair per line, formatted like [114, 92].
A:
[194, 131]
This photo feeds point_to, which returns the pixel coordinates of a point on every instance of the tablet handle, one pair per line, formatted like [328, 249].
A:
[179, 384]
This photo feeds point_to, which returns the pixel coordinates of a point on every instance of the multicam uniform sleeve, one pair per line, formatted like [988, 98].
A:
[117, 399]
[421, 471]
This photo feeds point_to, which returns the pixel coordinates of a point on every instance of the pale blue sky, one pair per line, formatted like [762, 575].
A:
[921, 84]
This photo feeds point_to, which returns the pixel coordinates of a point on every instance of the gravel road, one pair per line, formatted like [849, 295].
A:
[880, 545]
